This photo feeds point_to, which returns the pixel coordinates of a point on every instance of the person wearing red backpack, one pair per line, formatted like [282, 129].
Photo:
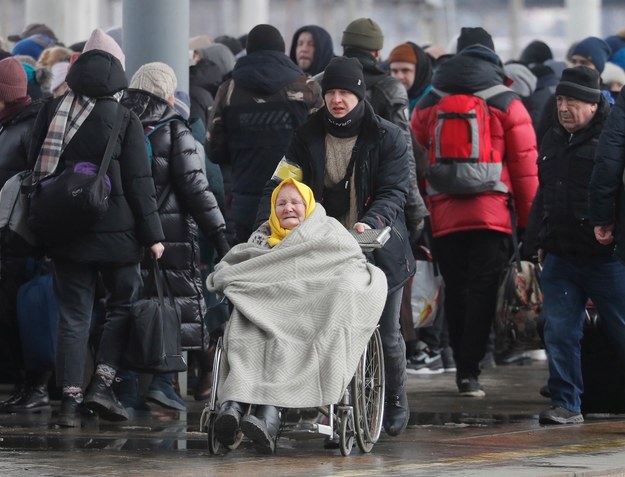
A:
[471, 185]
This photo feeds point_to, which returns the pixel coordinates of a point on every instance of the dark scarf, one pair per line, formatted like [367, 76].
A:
[423, 75]
[12, 109]
[348, 125]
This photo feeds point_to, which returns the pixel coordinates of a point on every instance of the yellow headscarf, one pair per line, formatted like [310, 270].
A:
[277, 232]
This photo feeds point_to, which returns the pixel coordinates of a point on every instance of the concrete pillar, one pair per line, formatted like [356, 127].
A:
[157, 30]
[252, 13]
[79, 19]
[516, 12]
[584, 19]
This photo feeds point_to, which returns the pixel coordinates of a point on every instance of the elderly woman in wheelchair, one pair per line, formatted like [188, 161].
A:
[305, 304]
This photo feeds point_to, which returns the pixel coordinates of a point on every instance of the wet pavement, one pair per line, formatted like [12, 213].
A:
[448, 435]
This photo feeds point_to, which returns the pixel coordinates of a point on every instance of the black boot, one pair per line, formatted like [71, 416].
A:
[101, 399]
[396, 413]
[227, 422]
[36, 396]
[72, 412]
[16, 396]
[262, 428]
[36, 399]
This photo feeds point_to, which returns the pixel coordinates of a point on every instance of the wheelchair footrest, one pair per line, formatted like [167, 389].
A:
[306, 430]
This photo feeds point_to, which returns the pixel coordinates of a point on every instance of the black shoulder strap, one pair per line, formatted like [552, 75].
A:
[108, 152]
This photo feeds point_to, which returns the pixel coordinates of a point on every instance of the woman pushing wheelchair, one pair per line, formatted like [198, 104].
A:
[305, 304]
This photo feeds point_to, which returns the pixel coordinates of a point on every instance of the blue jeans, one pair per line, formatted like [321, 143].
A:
[566, 287]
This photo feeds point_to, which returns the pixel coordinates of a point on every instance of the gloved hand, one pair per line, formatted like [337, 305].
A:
[222, 247]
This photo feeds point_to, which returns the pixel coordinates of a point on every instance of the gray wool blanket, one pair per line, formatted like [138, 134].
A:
[303, 314]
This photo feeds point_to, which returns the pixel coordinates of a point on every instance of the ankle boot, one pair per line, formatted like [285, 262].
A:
[16, 396]
[396, 413]
[35, 399]
[72, 412]
[36, 396]
[227, 422]
[101, 399]
[262, 428]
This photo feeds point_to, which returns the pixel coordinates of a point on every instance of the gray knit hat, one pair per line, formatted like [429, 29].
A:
[363, 33]
[581, 83]
[156, 78]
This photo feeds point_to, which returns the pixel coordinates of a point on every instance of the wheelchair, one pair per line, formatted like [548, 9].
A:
[357, 418]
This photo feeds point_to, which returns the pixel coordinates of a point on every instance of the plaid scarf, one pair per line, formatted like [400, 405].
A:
[71, 113]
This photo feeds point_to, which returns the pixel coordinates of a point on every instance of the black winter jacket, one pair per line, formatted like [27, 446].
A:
[189, 203]
[389, 100]
[381, 183]
[560, 210]
[15, 136]
[607, 197]
[254, 116]
[131, 220]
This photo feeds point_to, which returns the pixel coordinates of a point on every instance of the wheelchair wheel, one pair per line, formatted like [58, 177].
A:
[346, 432]
[214, 446]
[368, 394]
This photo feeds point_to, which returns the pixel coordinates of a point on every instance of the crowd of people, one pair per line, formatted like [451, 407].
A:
[359, 132]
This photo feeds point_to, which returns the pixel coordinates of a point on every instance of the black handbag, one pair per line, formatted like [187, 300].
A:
[154, 340]
[75, 199]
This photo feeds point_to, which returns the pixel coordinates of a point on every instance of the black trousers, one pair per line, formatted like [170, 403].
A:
[471, 264]
[75, 286]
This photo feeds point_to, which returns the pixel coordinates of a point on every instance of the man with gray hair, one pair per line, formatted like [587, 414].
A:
[576, 266]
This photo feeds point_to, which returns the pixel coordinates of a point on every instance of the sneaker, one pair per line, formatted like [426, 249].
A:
[559, 415]
[470, 387]
[162, 392]
[488, 361]
[426, 362]
[449, 365]
[544, 391]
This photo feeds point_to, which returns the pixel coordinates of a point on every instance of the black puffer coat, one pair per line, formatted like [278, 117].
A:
[15, 135]
[131, 220]
[189, 203]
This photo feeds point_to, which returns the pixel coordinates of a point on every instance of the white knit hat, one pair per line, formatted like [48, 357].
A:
[156, 78]
[101, 41]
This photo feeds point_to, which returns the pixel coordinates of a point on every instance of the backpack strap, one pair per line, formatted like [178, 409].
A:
[485, 94]
[491, 92]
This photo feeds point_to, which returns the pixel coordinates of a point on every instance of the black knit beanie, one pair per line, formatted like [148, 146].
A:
[265, 37]
[344, 73]
[535, 53]
[474, 35]
[581, 83]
